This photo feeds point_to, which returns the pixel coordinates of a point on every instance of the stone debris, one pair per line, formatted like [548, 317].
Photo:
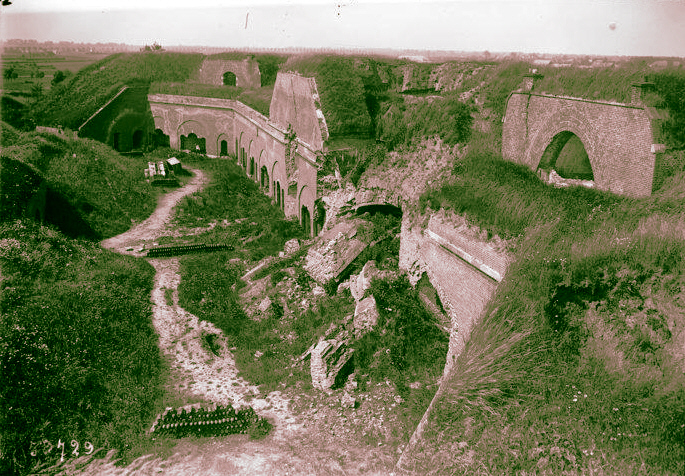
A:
[557, 180]
[334, 251]
[348, 401]
[365, 316]
[264, 305]
[328, 358]
[291, 247]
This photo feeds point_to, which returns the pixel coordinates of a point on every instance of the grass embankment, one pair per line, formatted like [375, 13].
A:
[93, 191]
[577, 364]
[74, 100]
[258, 99]
[79, 356]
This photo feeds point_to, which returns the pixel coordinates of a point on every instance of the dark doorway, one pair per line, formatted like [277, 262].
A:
[306, 220]
[161, 139]
[265, 179]
[137, 139]
[251, 166]
[224, 148]
[115, 141]
[319, 216]
[230, 79]
[194, 143]
[278, 194]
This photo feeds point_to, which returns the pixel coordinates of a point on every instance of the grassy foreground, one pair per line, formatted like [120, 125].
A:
[78, 354]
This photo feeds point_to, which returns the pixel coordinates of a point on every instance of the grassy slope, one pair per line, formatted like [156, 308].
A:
[78, 351]
[91, 184]
[574, 367]
[73, 101]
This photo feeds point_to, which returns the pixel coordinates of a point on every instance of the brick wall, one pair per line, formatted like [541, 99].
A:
[246, 72]
[617, 137]
[261, 141]
[461, 264]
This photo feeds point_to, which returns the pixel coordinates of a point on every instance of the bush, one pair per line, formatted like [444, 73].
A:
[448, 118]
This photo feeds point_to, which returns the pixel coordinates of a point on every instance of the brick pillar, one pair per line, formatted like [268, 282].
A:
[638, 90]
[530, 79]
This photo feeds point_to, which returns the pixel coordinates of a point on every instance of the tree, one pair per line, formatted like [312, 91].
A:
[10, 73]
[155, 47]
[58, 77]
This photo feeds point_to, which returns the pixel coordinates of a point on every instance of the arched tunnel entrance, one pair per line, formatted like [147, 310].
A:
[230, 79]
[566, 155]
[194, 143]
[383, 208]
[137, 139]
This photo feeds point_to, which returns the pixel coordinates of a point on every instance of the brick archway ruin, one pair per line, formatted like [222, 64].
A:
[618, 138]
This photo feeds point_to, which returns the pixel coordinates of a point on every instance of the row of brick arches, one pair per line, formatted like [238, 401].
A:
[273, 187]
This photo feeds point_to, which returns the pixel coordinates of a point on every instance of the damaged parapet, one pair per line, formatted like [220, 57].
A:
[461, 263]
[334, 251]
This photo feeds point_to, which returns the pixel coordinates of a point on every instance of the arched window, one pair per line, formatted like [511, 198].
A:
[224, 148]
[230, 79]
[306, 220]
[566, 155]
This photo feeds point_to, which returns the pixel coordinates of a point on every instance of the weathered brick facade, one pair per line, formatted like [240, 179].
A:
[260, 144]
[246, 72]
[618, 138]
[463, 267]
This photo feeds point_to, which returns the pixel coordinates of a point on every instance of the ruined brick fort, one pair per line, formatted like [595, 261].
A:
[283, 152]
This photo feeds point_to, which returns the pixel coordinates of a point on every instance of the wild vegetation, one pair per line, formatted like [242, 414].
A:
[575, 366]
[93, 191]
[74, 100]
[79, 357]
[258, 99]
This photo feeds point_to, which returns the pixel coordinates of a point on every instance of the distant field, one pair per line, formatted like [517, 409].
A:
[48, 65]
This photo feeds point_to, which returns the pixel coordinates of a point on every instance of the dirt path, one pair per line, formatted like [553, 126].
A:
[158, 223]
[306, 441]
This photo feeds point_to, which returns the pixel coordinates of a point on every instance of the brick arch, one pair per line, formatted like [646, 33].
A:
[305, 200]
[258, 166]
[222, 137]
[191, 125]
[273, 177]
[554, 135]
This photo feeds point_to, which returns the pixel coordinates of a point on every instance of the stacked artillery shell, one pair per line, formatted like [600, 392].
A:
[217, 422]
[166, 251]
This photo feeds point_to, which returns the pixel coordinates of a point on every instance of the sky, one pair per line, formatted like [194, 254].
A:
[602, 27]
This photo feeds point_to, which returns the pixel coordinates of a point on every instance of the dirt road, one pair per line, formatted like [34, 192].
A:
[158, 223]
